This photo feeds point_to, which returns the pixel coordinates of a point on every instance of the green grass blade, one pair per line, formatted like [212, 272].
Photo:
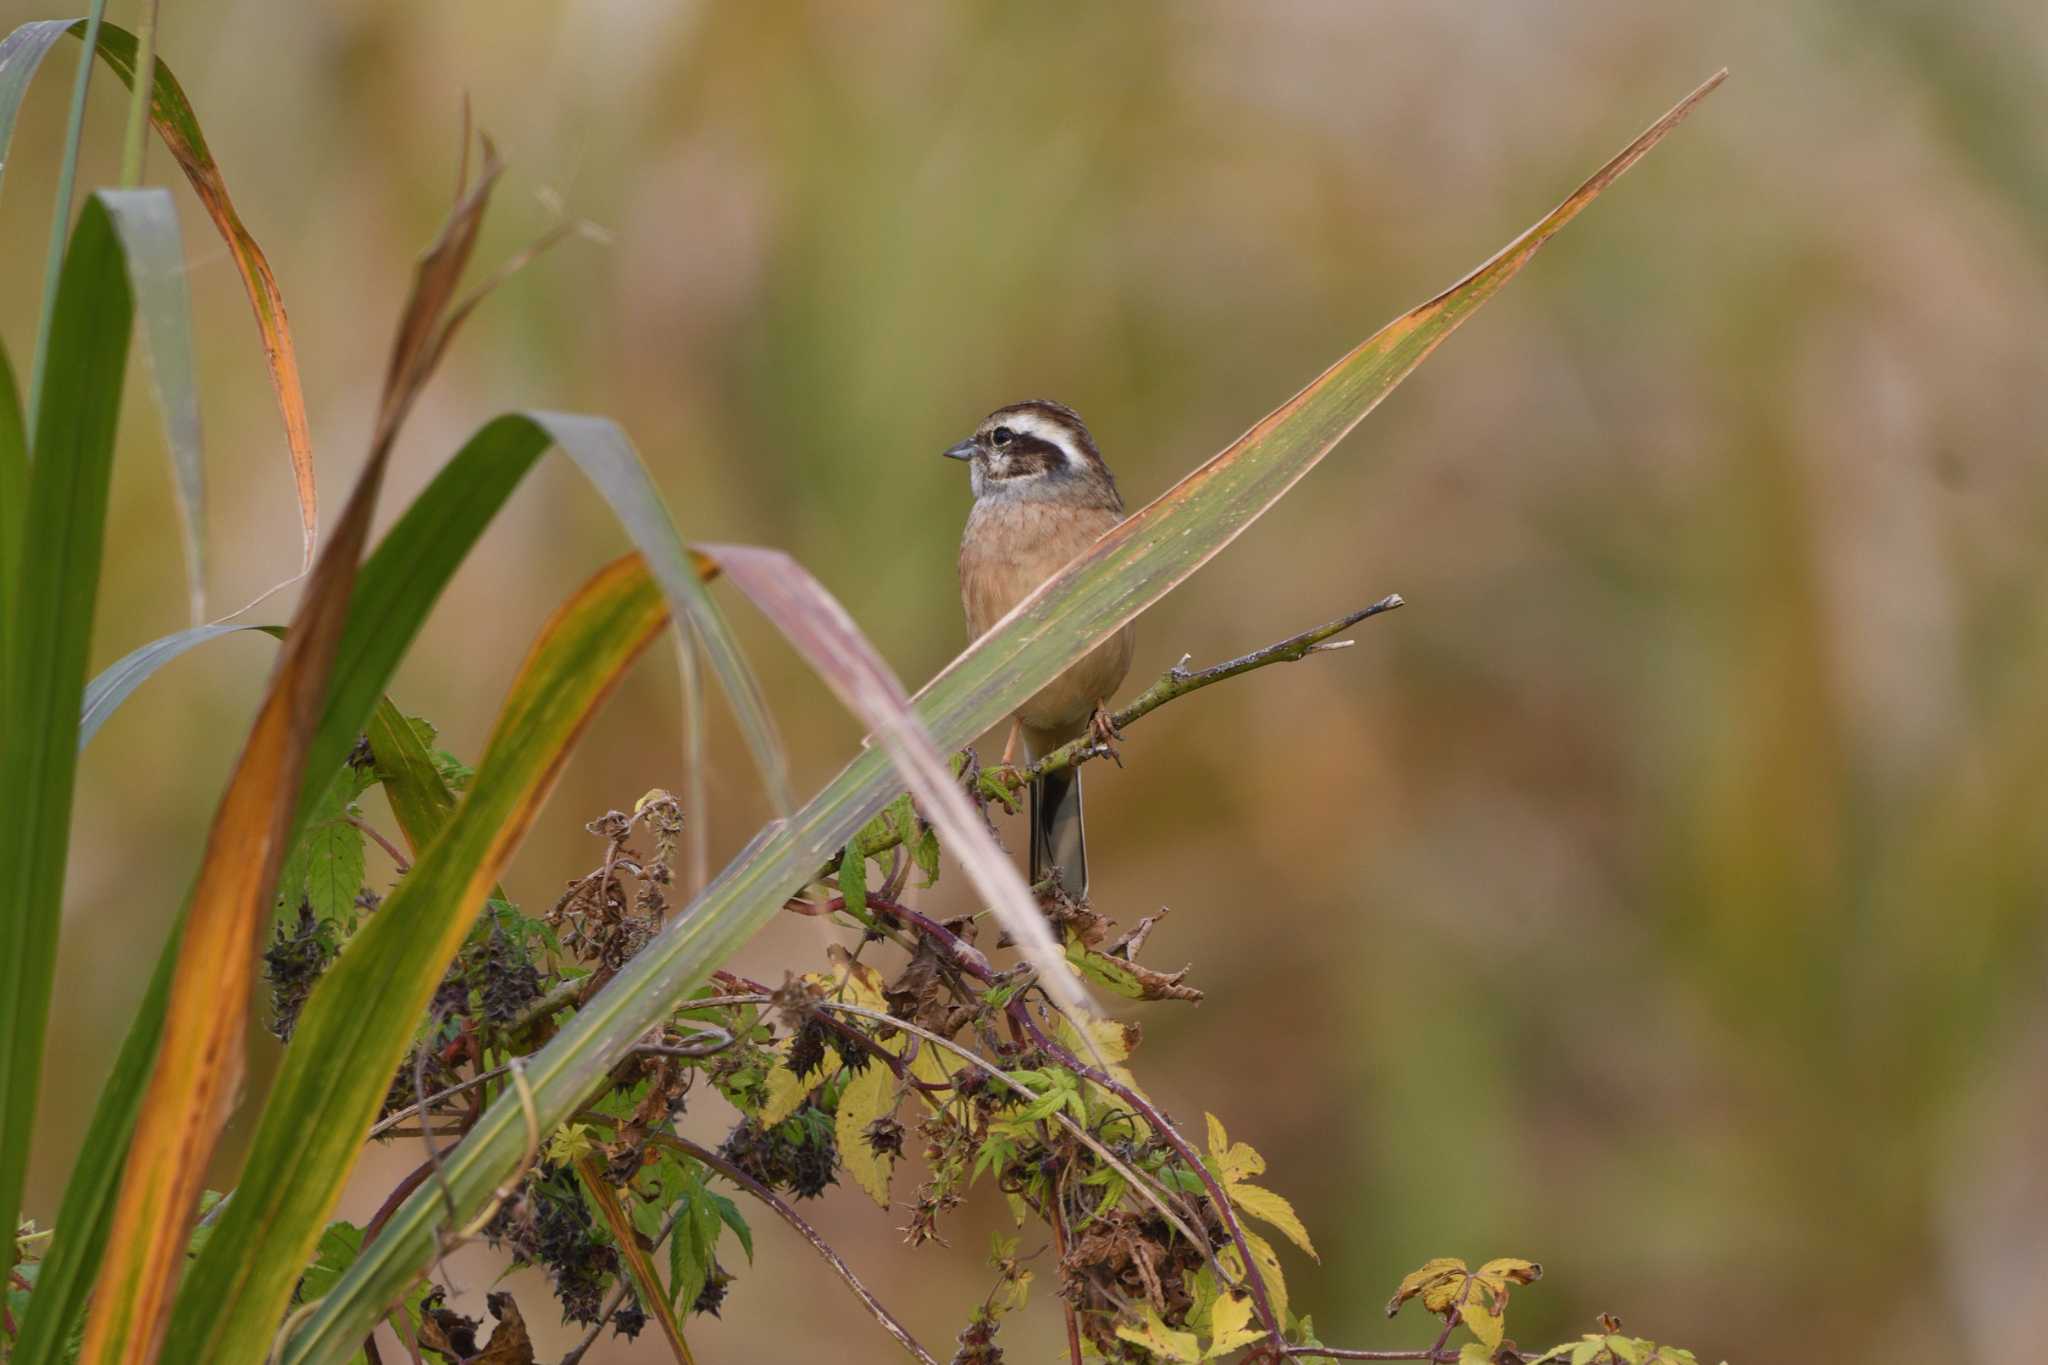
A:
[66, 1274]
[177, 125]
[60, 217]
[116, 682]
[161, 302]
[607, 458]
[399, 584]
[1125, 573]
[46, 641]
[13, 483]
[21, 53]
[406, 575]
[357, 1023]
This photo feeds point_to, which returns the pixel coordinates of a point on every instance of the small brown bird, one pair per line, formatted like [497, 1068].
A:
[1042, 495]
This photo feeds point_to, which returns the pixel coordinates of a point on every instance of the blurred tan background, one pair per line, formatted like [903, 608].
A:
[1660, 895]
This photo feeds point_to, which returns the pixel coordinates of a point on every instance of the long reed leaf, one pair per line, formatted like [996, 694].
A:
[60, 216]
[44, 640]
[398, 587]
[13, 482]
[357, 1023]
[812, 620]
[21, 52]
[1123, 574]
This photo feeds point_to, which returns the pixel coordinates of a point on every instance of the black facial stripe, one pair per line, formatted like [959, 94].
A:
[1025, 456]
[1026, 444]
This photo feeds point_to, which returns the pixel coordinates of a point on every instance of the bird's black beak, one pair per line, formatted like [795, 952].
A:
[963, 451]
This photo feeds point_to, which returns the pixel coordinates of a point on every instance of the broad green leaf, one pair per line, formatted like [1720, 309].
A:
[1122, 575]
[44, 638]
[870, 1095]
[359, 1019]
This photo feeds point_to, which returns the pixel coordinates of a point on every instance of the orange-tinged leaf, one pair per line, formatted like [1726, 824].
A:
[198, 1069]
[344, 1052]
[170, 113]
[199, 1063]
[627, 1239]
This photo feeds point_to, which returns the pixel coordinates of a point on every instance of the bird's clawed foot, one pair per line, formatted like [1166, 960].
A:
[1102, 726]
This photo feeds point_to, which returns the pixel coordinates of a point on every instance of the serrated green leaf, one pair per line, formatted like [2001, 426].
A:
[853, 876]
[729, 1214]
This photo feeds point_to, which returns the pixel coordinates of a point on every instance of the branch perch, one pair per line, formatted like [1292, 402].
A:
[1178, 682]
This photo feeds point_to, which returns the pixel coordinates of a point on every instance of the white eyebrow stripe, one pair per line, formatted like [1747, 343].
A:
[1055, 433]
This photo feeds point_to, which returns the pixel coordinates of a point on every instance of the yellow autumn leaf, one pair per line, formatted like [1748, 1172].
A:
[1162, 1341]
[1268, 1262]
[1269, 1207]
[1429, 1275]
[868, 1096]
[1230, 1326]
[786, 1091]
[1113, 1038]
[851, 980]
[1502, 1269]
[1472, 1353]
[1486, 1324]
[1233, 1161]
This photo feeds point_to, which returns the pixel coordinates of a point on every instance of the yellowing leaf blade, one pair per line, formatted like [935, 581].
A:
[1268, 1207]
[870, 1095]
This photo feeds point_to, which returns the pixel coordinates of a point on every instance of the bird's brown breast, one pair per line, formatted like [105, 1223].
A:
[1013, 545]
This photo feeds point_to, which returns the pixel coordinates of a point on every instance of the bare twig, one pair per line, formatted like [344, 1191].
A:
[808, 1233]
[1178, 682]
[1343, 1353]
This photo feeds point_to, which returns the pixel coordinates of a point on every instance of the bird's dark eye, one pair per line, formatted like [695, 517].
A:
[1001, 436]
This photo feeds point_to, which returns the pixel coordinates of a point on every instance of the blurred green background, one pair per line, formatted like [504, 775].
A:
[1659, 896]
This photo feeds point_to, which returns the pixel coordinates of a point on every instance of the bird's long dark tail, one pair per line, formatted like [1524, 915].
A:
[1056, 839]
